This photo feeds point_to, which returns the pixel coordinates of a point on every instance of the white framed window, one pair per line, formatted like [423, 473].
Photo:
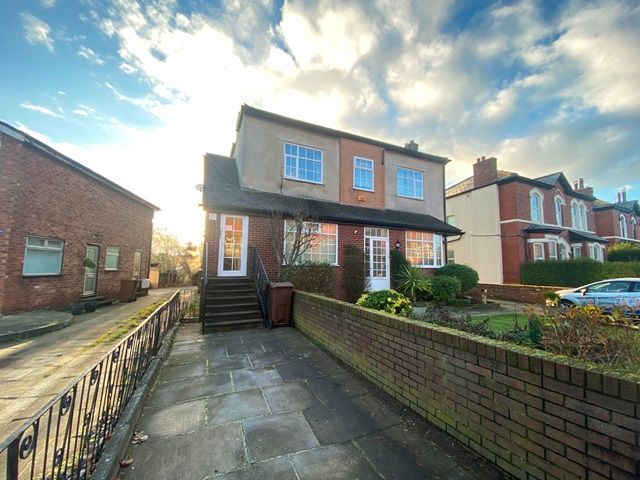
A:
[409, 183]
[451, 256]
[578, 215]
[596, 251]
[583, 216]
[535, 202]
[538, 251]
[634, 223]
[112, 258]
[576, 251]
[451, 220]
[363, 174]
[424, 249]
[324, 246]
[553, 250]
[564, 251]
[558, 202]
[137, 263]
[42, 257]
[303, 163]
[623, 226]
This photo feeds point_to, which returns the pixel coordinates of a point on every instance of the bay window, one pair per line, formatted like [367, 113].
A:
[424, 249]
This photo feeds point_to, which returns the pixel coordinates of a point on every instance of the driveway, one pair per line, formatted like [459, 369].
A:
[35, 370]
[261, 404]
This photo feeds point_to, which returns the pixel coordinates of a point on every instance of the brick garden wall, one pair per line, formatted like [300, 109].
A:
[514, 293]
[535, 417]
[43, 197]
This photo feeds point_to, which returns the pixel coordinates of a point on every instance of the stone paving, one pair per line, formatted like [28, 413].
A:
[268, 404]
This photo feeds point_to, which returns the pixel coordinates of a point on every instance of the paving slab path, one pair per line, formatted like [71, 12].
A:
[35, 370]
[268, 404]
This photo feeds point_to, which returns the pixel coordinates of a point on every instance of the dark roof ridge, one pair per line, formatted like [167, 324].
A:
[33, 142]
[256, 112]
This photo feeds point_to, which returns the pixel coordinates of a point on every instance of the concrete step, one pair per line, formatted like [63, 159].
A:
[237, 315]
[231, 307]
[232, 324]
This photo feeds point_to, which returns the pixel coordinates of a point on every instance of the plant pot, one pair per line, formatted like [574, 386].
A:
[91, 306]
[76, 308]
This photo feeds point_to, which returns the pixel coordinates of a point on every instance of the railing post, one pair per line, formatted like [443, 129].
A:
[13, 460]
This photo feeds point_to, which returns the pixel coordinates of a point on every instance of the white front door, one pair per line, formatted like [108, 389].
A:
[232, 253]
[90, 270]
[376, 247]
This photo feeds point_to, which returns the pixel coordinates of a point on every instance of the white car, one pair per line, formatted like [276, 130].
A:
[606, 294]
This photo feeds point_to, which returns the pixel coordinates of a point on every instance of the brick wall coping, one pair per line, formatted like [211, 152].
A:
[582, 373]
[520, 286]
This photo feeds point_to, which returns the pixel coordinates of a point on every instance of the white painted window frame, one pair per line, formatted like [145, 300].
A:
[46, 247]
[335, 262]
[622, 223]
[414, 197]
[372, 170]
[536, 257]
[436, 263]
[296, 177]
[558, 203]
[536, 193]
[106, 257]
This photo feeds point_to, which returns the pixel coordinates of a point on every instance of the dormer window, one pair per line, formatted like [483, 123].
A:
[302, 163]
[623, 226]
[535, 200]
[558, 202]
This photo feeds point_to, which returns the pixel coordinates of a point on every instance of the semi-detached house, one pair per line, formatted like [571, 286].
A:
[361, 191]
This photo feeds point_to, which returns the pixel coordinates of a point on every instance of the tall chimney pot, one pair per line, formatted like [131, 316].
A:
[411, 146]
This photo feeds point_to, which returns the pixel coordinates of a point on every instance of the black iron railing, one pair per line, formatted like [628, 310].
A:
[204, 283]
[261, 280]
[65, 439]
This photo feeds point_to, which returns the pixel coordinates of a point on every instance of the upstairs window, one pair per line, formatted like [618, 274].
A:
[42, 257]
[535, 200]
[558, 202]
[451, 220]
[363, 174]
[578, 215]
[409, 183]
[302, 163]
[634, 235]
[623, 226]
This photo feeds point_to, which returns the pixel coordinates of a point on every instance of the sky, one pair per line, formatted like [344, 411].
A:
[139, 91]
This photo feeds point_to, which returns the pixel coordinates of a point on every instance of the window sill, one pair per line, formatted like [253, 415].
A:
[302, 181]
[111, 269]
[40, 275]
[410, 198]
[364, 190]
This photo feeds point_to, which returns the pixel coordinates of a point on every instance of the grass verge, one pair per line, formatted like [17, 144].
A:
[504, 322]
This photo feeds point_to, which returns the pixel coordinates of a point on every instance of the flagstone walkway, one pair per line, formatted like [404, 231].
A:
[268, 404]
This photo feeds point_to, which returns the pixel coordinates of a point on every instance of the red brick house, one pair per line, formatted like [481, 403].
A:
[618, 222]
[510, 219]
[54, 214]
[357, 190]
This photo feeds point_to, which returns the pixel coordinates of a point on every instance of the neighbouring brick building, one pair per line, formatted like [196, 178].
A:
[357, 190]
[510, 219]
[618, 221]
[54, 214]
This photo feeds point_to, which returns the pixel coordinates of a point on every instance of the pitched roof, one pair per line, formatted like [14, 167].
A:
[626, 206]
[222, 191]
[256, 112]
[55, 155]
[468, 184]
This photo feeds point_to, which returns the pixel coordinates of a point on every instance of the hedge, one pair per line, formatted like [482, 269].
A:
[624, 252]
[574, 273]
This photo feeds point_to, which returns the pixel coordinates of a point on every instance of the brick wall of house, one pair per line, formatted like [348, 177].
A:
[46, 198]
[608, 224]
[351, 196]
[535, 416]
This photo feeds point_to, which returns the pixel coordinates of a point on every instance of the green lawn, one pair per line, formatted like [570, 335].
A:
[505, 321]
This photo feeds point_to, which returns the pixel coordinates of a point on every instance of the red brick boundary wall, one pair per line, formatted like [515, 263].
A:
[533, 414]
[515, 293]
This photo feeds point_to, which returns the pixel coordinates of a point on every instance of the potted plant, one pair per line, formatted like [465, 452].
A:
[88, 263]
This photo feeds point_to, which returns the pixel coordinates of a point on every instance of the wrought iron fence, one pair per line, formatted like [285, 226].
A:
[261, 281]
[65, 439]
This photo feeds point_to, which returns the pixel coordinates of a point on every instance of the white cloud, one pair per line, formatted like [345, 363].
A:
[83, 110]
[93, 57]
[39, 108]
[48, 3]
[36, 31]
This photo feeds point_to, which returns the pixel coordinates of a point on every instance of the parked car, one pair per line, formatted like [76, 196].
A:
[606, 294]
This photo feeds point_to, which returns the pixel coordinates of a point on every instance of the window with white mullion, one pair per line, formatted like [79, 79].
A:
[302, 163]
[363, 175]
[409, 183]
[42, 257]
[424, 249]
[538, 251]
[322, 246]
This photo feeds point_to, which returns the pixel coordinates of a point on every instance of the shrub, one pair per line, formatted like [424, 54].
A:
[589, 334]
[443, 317]
[312, 277]
[620, 269]
[468, 276]
[413, 283]
[623, 252]
[398, 262]
[354, 280]
[388, 301]
[445, 289]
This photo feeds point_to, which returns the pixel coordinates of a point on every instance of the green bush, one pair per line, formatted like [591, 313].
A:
[574, 273]
[388, 301]
[414, 284]
[398, 262]
[468, 276]
[445, 289]
[312, 277]
[623, 252]
[354, 280]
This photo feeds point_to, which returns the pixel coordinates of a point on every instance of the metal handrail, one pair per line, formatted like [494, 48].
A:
[67, 436]
[261, 281]
[204, 284]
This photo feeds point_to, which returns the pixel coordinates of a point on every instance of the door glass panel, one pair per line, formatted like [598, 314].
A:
[379, 258]
[232, 260]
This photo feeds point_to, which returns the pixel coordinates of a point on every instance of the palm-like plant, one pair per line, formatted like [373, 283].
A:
[412, 281]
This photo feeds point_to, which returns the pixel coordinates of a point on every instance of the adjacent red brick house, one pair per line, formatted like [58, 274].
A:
[361, 191]
[618, 222]
[55, 213]
[511, 219]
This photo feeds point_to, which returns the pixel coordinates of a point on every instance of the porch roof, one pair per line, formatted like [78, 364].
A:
[222, 191]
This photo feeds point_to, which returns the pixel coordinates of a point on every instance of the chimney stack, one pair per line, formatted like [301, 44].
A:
[485, 171]
[411, 146]
[621, 195]
[578, 186]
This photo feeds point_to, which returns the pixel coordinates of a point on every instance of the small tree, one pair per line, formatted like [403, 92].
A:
[177, 261]
[300, 228]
